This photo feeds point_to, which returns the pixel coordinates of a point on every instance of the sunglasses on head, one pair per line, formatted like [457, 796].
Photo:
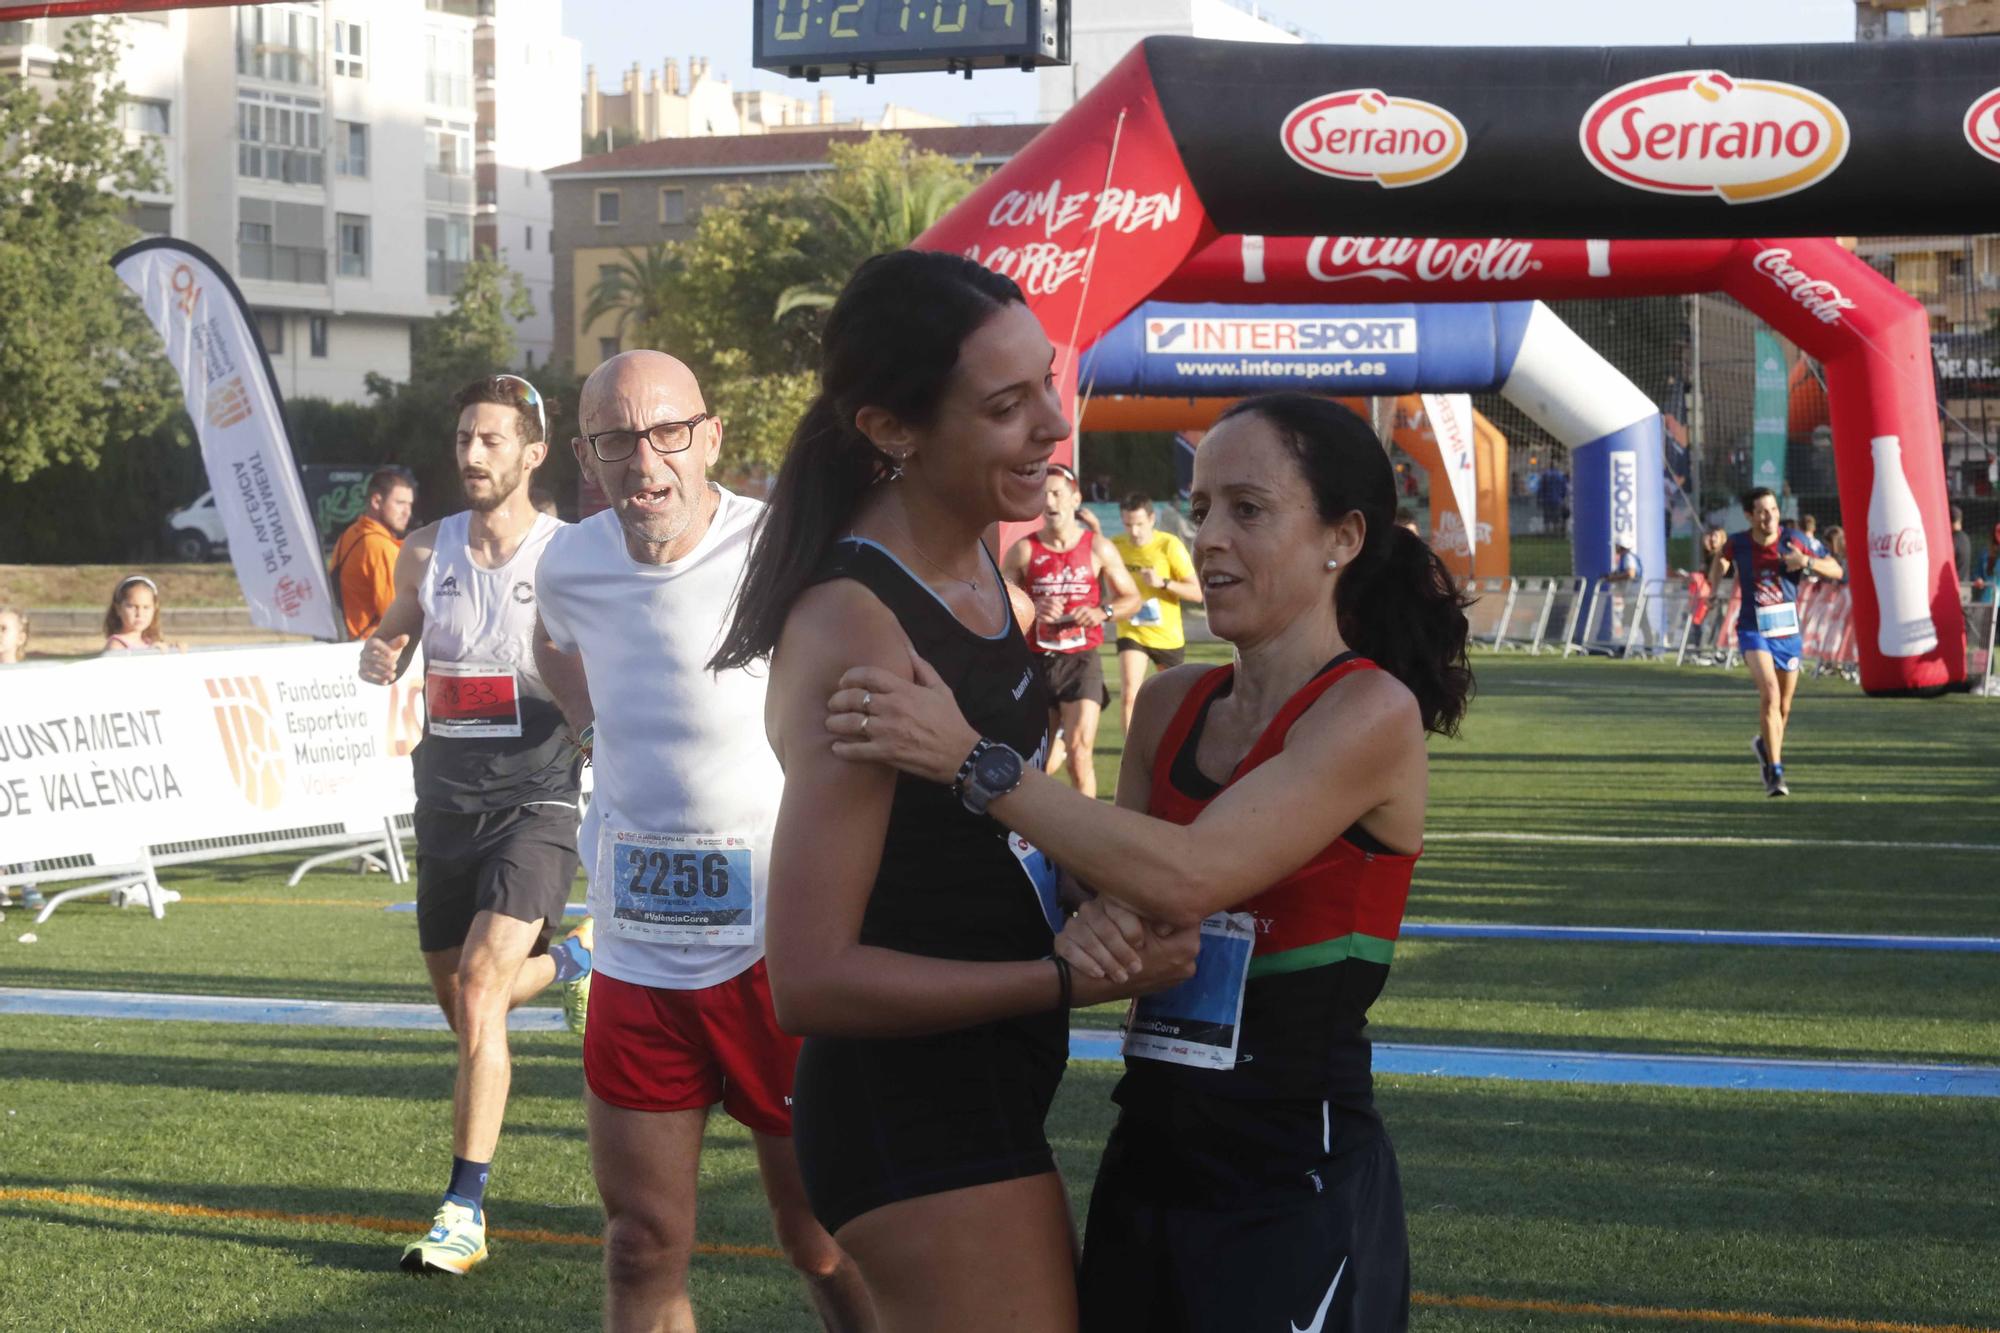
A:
[529, 395]
[1063, 472]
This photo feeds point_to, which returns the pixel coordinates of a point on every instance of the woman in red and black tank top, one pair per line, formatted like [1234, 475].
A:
[1277, 806]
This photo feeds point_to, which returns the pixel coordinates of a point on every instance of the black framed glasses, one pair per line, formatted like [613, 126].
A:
[665, 437]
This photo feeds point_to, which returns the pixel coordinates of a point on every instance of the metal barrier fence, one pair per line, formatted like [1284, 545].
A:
[1662, 618]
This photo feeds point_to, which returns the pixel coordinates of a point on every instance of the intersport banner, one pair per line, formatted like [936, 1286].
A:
[120, 753]
[230, 394]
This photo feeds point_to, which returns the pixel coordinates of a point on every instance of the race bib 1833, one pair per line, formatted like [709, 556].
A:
[679, 888]
[1197, 1023]
[472, 699]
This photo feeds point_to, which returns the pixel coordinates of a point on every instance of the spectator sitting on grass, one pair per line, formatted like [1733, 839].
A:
[132, 622]
[13, 634]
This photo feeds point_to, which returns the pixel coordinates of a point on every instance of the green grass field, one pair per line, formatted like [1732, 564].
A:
[182, 1176]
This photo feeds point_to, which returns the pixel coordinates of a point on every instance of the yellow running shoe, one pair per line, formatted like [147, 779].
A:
[455, 1242]
[576, 991]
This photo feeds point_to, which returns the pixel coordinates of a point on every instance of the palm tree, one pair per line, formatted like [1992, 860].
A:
[878, 200]
[637, 289]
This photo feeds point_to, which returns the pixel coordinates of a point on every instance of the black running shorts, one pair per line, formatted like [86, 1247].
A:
[1309, 1242]
[519, 863]
[1166, 659]
[1075, 676]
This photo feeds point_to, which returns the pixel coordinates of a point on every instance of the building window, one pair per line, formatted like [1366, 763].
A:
[145, 115]
[607, 348]
[673, 207]
[531, 358]
[350, 144]
[271, 331]
[280, 241]
[353, 231]
[316, 334]
[350, 49]
[528, 237]
[607, 208]
[448, 163]
[447, 68]
[277, 43]
[153, 219]
[278, 138]
[447, 250]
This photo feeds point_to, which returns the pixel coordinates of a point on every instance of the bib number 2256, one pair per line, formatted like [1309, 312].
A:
[681, 888]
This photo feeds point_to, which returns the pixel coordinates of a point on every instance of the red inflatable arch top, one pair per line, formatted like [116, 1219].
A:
[1241, 172]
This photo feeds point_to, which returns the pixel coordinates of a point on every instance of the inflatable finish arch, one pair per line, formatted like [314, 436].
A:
[1520, 348]
[1190, 148]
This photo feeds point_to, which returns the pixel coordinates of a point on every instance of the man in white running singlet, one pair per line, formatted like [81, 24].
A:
[496, 780]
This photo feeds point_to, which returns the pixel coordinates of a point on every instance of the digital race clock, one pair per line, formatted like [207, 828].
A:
[808, 38]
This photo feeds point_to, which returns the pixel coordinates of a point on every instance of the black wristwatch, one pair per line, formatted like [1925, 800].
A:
[988, 773]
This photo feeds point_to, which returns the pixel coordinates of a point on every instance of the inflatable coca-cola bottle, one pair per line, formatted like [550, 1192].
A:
[1897, 557]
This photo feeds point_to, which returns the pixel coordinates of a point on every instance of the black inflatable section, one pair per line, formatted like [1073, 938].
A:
[1909, 166]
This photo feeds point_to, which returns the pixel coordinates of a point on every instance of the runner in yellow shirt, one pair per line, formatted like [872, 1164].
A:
[1166, 578]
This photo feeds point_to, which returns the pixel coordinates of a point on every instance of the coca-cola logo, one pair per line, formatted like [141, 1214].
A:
[1982, 125]
[1364, 134]
[1895, 545]
[1402, 258]
[1702, 132]
[1821, 299]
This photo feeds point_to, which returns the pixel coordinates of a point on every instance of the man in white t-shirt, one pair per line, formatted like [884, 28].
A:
[676, 841]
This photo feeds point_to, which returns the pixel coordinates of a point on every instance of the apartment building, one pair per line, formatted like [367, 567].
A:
[324, 151]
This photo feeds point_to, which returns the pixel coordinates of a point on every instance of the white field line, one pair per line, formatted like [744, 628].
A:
[1705, 840]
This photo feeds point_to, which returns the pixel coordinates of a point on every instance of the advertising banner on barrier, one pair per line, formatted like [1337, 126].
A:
[237, 415]
[1451, 425]
[124, 752]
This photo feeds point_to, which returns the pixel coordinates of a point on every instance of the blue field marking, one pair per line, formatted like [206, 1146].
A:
[1766, 939]
[1531, 1066]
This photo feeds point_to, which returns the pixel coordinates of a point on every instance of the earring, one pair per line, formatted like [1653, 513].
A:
[896, 466]
[1333, 564]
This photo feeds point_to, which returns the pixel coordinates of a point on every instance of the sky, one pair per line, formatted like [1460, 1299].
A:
[617, 32]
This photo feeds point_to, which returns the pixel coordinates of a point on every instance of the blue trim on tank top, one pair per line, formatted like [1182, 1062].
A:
[1006, 603]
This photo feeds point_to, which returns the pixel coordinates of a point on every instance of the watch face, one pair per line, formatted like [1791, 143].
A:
[997, 768]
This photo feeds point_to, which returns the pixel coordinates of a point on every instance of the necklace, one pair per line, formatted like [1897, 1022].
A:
[972, 585]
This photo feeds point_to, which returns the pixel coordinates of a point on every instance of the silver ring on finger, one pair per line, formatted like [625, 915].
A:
[866, 698]
[864, 724]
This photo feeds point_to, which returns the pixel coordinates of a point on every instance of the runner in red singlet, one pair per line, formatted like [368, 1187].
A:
[1063, 568]
[1278, 804]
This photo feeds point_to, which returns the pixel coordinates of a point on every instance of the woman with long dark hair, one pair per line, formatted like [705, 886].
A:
[909, 937]
[1278, 804]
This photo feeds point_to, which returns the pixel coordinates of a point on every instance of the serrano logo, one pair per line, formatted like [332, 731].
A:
[1365, 134]
[250, 739]
[1702, 132]
[1982, 125]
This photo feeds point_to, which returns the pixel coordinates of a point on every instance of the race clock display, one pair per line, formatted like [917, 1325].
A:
[811, 38]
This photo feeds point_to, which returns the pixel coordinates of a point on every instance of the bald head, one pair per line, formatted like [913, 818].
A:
[658, 488]
[637, 388]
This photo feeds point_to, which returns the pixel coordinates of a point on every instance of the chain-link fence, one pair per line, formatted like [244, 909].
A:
[1745, 407]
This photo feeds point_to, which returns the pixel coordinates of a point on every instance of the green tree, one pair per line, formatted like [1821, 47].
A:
[881, 195]
[81, 369]
[638, 289]
[476, 335]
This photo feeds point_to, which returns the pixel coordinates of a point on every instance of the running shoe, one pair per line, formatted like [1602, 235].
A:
[1763, 755]
[455, 1242]
[1774, 781]
[576, 992]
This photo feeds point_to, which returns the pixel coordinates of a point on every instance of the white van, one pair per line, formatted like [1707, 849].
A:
[195, 534]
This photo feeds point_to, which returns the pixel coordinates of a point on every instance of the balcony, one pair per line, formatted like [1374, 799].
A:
[441, 188]
[443, 276]
[280, 263]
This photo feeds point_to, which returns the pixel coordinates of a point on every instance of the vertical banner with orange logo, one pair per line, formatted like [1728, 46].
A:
[240, 421]
[1451, 425]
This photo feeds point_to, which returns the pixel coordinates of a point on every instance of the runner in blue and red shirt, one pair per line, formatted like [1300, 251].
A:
[1769, 559]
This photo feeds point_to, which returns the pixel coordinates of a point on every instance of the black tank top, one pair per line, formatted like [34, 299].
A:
[949, 886]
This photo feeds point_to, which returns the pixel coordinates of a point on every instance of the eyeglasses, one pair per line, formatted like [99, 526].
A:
[665, 437]
[531, 396]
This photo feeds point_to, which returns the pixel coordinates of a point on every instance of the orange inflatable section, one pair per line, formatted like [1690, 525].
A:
[1410, 429]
